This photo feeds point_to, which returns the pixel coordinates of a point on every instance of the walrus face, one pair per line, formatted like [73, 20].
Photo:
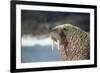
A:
[58, 32]
[55, 34]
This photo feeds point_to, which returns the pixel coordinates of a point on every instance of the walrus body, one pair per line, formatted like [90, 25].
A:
[74, 42]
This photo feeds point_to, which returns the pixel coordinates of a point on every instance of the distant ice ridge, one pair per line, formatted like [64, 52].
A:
[28, 40]
[43, 40]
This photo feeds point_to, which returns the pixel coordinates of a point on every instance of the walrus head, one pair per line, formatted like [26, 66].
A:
[58, 34]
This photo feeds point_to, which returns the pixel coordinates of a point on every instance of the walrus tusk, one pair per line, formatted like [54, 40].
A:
[52, 44]
[58, 44]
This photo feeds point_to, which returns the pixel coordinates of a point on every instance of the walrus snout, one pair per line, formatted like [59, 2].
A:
[55, 35]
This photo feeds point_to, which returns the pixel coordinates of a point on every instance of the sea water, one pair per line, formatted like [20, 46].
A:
[39, 49]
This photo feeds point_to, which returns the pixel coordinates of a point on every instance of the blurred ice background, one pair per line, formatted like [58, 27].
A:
[38, 49]
[35, 28]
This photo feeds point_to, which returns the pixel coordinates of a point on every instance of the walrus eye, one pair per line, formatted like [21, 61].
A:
[64, 29]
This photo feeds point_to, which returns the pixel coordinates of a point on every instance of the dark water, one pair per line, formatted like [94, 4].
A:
[39, 53]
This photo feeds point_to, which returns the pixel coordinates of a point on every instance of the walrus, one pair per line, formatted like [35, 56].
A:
[74, 43]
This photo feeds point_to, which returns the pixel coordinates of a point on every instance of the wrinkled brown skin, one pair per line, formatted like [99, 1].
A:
[74, 42]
